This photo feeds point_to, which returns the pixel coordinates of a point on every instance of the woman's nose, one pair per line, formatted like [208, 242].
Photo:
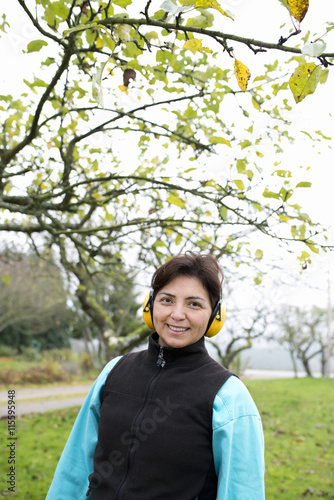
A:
[178, 312]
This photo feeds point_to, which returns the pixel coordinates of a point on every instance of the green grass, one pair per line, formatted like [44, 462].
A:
[40, 440]
[298, 419]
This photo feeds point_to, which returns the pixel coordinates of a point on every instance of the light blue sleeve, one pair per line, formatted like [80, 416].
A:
[70, 480]
[238, 444]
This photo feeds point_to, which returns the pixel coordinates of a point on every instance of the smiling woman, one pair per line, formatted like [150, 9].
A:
[182, 311]
[168, 421]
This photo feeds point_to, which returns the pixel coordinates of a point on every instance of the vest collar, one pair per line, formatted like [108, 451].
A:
[189, 354]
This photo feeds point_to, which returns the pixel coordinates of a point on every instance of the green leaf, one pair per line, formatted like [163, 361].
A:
[258, 279]
[178, 239]
[219, 140]
[303, 256]
[59, 9]
[245, 144]
[213, 4]
[6, 279]
[176, 200]
[241, 165]
[257, 206]
[122, 3]
[97, 90]
[304, 184]
[159, 243]
[83, 27]
[304, 80]
[312, 246]
[223, 213]
[36, 45]
[285, 194]
[256, 103]
[205, 20]
[258, 254]
[324, 75]
[323, 136]
[240, 185]
[37, 83]
[282, 173]
[270, 194]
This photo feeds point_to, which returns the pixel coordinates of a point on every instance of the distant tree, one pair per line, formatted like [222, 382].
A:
[303, 332]
[33, 299]
[240, 330]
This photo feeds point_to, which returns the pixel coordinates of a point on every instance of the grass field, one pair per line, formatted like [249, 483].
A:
[298, 419]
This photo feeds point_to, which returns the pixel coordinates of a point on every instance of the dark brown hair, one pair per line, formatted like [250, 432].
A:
[201, 266]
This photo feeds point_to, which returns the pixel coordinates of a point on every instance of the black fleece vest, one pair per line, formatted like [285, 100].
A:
[155, 428]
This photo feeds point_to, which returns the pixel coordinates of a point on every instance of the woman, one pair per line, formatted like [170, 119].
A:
[168, 422]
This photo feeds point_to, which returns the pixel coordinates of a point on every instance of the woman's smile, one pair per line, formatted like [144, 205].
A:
[177, 329]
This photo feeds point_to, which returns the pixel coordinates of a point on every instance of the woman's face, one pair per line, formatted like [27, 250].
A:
[181, 312]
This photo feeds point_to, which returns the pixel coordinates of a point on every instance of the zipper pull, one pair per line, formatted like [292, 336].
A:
[160, 361]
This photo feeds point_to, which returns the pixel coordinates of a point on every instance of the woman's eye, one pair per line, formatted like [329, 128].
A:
[166, 300]
[194, 304]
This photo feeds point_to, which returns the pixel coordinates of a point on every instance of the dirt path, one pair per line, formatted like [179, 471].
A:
[39, 400]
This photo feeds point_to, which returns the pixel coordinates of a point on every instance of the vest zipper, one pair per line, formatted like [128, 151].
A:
[161, 362]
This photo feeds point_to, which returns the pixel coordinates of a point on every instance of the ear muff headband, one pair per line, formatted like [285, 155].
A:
[215, 323]
[217, 319]
[148, 310]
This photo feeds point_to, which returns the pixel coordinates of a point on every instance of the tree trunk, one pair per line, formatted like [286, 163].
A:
[323, 362]
[294, 363]
[306, 366]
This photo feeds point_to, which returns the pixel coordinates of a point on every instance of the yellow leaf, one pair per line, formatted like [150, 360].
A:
[242, 74]
[298, 9]
[123, 88]
[99, 42]
[195, 45]
[213, 4]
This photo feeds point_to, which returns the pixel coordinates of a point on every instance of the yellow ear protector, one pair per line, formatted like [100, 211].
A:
[217, 319]
[148, 310]
[215, 324]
